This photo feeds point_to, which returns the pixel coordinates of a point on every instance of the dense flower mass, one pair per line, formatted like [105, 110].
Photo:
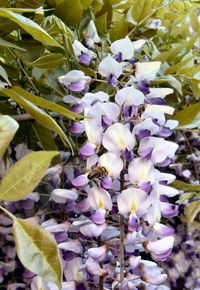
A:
[115, 192]
[123, 191]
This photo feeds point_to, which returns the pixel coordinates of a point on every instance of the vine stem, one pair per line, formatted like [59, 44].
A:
[121, 232]
[121, 248]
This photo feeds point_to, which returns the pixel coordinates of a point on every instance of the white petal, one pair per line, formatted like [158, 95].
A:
[110, 66]
[129, 95]
[112, 163]
[124, 46]
[159, 92]
[118, 137]
[147, 71]
[141, 170]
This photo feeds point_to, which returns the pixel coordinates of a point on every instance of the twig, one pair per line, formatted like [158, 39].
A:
[27, 117]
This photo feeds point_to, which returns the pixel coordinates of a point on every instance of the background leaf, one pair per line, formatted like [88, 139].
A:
[37, 250]
[189, 117]
[25, 174]
[30, 26]
[39, 115]
[70, 11]
[192, 210]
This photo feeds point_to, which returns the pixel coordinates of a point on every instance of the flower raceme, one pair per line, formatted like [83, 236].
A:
[120, 212]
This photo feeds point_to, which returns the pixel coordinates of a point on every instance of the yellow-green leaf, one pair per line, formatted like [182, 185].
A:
[37, 250]
[69, 11]
[42, 102]
[192, 210]
[25, 174]
[140, 10]
[119, 29]
[189, 117]
[30, 26]
[49, 61]
[174, 68]
[38, 114]
[45, 137]
[4, 75]
[189, 72]
[8, 128]
[185, 186]
[6, 43]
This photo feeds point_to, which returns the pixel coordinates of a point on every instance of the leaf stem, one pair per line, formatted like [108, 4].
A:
[18, 62]
[7, 212]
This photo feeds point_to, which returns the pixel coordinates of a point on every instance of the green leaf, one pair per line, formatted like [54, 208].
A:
[4, 75]
[194, 21]
[6, 43]
[39, 115]
[30, 54]
[45, 137]
[170, 80]
[30, 26]
[54, 25]
[25, 174]
[70, 11]
[37, 250]
[185, 186]
[101, 24]
[139, 11]
[38, 101]
[189, 118]
[189, 72]
[185, 197]
[174, 68]
[8, 128]
[192, 210]
[85, 3]
[119, 29]
[49, 61]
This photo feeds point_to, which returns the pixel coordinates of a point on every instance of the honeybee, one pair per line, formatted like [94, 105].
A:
[97, 172]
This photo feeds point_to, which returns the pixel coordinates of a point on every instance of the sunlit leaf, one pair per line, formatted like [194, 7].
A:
[25, 174]
[37, 250]
[49, 61]
[38, 114]
[172, 81]
[189, 117]
[189, 72]
[38, 101]
[174, 68]
[139, 10]
[8, 128]
[194, 21]
[192, 210]
[101, 24]
[186, 196]
[30, 26]
[185, 186]
[119, 29]
[69, 11]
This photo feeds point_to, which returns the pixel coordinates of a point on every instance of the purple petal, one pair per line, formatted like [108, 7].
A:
[143, 133]
[77, 109]
[77, 86]
[112, 80]
[128, 155]
[60, 237]
[81, 180]
[134, 223]
[165, 162]
[143, 87]
[99, 216]
[77, 128]
[99, 253]
[85, 58]
[106, 183]
[146, 186]
[118, 57]
[106, 122]
[87, 150]
[169, 210]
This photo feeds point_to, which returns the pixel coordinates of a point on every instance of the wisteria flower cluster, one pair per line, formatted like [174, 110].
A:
[110, 201]
[119, 194]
